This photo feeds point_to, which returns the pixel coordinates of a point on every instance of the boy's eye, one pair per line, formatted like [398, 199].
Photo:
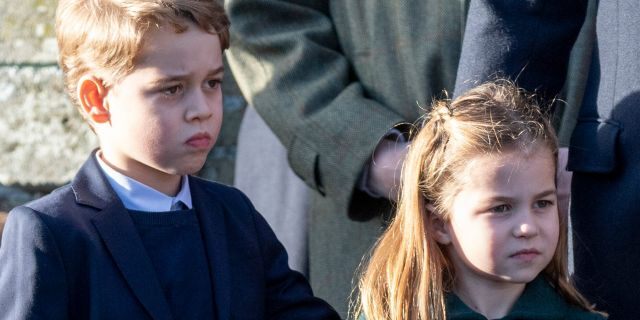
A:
[503, 208]
[214, 83]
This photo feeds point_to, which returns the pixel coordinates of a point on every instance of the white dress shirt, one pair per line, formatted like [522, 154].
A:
[138, 196]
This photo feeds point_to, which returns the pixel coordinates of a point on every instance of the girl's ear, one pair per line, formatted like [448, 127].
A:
[91, 96]
[438, 226]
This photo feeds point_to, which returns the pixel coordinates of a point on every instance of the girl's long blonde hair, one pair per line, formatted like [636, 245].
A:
[408, 273]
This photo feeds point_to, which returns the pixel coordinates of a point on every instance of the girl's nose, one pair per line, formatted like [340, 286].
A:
[525, 229]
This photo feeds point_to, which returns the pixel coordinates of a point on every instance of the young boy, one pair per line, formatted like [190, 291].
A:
[134, 236]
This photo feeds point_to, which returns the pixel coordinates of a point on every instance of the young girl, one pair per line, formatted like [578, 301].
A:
[477, 234]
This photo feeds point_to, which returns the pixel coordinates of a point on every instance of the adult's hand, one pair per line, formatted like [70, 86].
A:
[384, 179]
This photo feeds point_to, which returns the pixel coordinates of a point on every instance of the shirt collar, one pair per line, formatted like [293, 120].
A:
[138, 196]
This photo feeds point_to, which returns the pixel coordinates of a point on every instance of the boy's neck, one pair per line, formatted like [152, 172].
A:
[166, 183]
[492, 299]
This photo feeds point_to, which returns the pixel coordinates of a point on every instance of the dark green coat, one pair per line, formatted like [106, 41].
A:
[539, 301]
[331, 78]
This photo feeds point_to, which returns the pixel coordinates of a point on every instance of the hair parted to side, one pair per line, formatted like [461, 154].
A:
[408, 273]
[105, 36]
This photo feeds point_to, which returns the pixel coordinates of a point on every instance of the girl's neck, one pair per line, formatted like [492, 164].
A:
[492, 299]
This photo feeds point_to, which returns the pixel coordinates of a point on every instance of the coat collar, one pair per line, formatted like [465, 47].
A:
[539, 300]
[115, 227]
[91, 187]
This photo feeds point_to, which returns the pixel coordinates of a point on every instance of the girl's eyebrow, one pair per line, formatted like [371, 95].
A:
[546, 193]
[506, 199]
[498, 199]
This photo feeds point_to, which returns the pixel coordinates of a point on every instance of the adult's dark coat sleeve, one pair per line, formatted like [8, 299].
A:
[527, 41]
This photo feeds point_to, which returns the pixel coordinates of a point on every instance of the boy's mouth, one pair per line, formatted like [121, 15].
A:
[200, 140]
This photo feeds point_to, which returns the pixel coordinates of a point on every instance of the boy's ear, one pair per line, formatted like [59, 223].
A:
[91, 96]
[438, 226]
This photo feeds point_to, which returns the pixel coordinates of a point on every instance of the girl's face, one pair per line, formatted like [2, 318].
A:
[503, 224]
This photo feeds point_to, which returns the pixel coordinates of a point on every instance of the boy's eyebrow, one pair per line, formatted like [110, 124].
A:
[177, 77]
[217, 70]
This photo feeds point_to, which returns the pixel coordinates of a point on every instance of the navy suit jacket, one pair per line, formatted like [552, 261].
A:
[76, 254]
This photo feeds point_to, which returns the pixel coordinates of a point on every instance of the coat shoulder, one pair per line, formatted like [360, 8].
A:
[229, 197]
[576, 313]
[54, 203]
[217, 188]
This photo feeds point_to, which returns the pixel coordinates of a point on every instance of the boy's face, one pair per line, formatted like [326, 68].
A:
[165, 116]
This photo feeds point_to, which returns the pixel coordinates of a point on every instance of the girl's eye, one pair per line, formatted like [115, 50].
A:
[543, 204]
[172, 90]
[503, 208]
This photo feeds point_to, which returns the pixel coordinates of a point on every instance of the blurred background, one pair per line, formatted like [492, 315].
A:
[43, 139]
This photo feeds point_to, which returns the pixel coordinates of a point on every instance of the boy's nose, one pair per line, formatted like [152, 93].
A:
[200, 106]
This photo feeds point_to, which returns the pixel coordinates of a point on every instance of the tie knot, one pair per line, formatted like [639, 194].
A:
[179, 206]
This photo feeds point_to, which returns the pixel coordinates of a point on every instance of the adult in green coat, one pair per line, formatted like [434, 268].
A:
[331, 78]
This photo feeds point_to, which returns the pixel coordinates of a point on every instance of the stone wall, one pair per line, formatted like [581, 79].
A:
[43, 138]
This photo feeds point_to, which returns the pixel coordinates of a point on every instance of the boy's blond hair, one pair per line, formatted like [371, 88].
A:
[104, 37]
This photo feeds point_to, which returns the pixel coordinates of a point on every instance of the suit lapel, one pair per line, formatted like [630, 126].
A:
[121, 238]
[118, 232]
[212, 224]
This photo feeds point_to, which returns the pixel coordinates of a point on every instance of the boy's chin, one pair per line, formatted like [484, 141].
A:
[190, 168]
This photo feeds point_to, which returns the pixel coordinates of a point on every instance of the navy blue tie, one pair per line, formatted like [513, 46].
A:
[179, 206]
